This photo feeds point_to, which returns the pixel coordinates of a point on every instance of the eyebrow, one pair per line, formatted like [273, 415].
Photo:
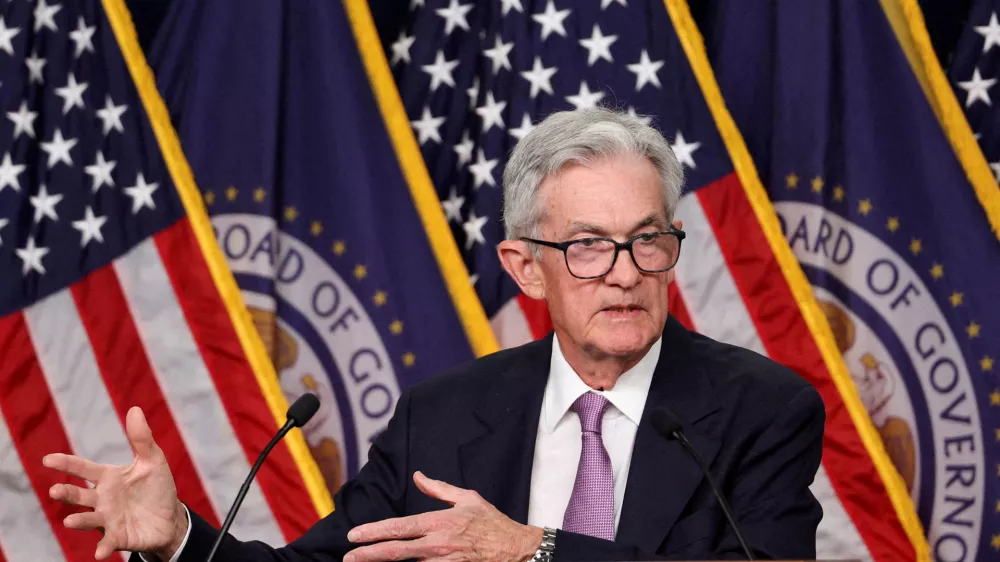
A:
[653, 219]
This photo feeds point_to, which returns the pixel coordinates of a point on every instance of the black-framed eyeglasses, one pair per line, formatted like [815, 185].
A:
[590, 258]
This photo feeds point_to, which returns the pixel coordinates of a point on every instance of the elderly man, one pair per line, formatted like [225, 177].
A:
[547, 451]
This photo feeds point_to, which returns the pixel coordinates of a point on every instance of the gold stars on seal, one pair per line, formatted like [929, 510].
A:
[209, 198]
[997, 508]
[839, 193]
[995, 543]
[995, 397]
[973, 330]
[291, 213]
[956, 299]
[892, 224]
[339, 247]
[986, 363]
[916, 246]
[817, 184]
[409, 359]
[865, 207]
[360, 272]
[997, 432]
[232, 192]
[791, 181]
[396, 327]
[259, 194]
[937, 271]
[316, 228]
[309, 382]
[379, 298]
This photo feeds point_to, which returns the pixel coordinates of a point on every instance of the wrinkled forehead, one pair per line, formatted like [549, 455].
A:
[608, 196]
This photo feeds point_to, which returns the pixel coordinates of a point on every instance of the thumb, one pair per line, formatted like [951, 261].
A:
[139, 435]
[442, 490]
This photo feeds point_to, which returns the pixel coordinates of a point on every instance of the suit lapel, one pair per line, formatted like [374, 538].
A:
[496, 459]
[663, 476]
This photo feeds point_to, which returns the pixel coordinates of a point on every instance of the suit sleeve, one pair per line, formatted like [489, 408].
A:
[777, 513]
[377, 493]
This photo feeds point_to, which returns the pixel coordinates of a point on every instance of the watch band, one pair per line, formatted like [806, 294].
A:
[547, 548]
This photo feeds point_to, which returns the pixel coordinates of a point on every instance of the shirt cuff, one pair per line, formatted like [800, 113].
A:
[187, 534]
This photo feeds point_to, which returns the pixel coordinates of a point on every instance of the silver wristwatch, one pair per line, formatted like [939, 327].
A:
[547, 548]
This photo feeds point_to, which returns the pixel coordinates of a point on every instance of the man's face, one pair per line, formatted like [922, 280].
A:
[623, 312]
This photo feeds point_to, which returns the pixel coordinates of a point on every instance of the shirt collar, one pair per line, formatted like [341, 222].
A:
[628, 395]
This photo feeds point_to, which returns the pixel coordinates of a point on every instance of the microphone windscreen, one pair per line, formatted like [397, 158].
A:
[303, 409]
[664, 422]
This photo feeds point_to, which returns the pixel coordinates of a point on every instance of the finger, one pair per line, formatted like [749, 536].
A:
[409, 527]
[394, 550]
[74, 466]
[84, 521]
[139, 435]
[105, 548]
[73, 495]
[444, 491]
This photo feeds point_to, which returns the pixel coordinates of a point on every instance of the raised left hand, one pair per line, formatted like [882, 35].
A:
[472, 529]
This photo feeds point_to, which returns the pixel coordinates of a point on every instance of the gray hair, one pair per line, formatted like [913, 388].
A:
[580, 137]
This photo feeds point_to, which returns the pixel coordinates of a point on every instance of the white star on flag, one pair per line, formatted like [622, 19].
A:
[100, 172]
[499, 54]
[3, 223]
[606, 3]
[508, 5]
[474, 230]
[83, 37]
[45, 204]
[585, 98]
[685, 150]
[141, 194]
[401, 48]
[645, 71]
[111, 116]
[35, 66]
[440, 71]
[464, 149]
[645, 119]
[6, 35]
[539, 77]
[491, 113]
[598, 46]
[9, 172]
[473, 92]
[522, 131]
[32, 255]
[977, 88]
[72, 94]
[453, 206]
[482, 170]
[45, 16]
[90, 227]
[24, 120]
[58, 149]
[995, 166]
[427, 127]
[990, 33]
[551, 20]
[454, 16]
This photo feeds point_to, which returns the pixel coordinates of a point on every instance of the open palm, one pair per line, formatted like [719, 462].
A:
[136, 506]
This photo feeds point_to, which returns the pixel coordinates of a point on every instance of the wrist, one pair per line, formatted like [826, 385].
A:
[531, 543]
[181, 523]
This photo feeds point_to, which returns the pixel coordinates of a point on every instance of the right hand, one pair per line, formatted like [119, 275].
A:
[135, 506]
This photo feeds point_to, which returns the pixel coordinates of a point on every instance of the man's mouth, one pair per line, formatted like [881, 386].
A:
[624, 311]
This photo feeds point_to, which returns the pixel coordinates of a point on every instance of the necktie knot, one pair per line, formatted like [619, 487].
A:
[590, 408]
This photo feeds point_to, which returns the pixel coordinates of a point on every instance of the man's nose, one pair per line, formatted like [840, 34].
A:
[623, 273]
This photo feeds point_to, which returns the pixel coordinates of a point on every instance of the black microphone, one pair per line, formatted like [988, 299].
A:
[298, 414]
[666, 424]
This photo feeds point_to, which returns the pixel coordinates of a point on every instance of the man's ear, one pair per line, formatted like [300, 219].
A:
[517, 261]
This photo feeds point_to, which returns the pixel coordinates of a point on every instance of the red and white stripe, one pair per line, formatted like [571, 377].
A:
[148, 330]
[729, 286]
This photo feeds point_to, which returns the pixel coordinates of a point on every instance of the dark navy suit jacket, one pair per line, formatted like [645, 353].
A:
[757, 424]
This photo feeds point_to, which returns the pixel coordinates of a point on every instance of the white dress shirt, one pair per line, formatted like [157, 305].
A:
[559, 439]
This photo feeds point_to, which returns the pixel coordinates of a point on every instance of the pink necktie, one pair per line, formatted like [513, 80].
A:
[591, 509]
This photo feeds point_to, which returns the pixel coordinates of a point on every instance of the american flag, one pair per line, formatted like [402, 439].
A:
[109, 298]
[476, 76]
[974, 71]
